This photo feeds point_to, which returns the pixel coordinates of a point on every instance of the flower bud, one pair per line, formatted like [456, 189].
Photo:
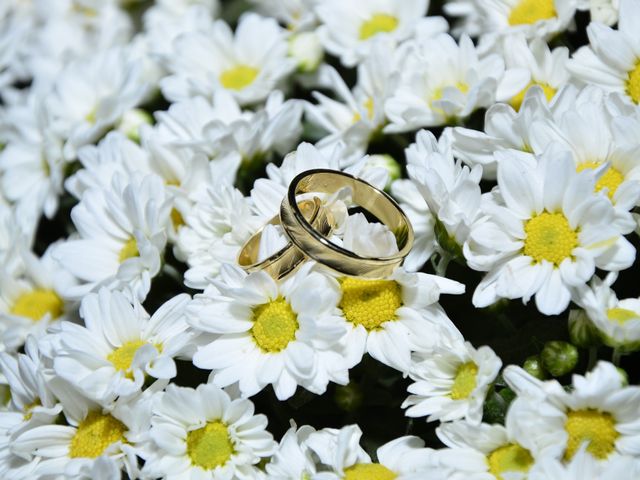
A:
[559, 358]
[307, 50]
[131, 121]
[582, 332]
[533, 366]
[389, 164]
[447, 242]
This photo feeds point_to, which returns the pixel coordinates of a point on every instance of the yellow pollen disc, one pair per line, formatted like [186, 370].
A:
[532, 11]
[95, 433]
[37, 303]
[611, 179]
[239, 77]
[549, 92]
[210, 446]
[275, 325]
[368, 104]
[27, 409]
[549, 237]
[368, 471]
[591, 426]
[621, 315]
[378, 23]
[633, 83]
[122, 357]
[370, 303]
[465, 381]
[129, 250]
[509, 458]
[176, 218]
[439, 92]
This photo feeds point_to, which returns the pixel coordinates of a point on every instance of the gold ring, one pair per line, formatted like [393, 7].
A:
[289, 258]
[317, 246]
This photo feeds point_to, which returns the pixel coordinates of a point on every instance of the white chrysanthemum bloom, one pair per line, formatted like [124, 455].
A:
[532, 18]
[31, 297]
[207, 434]
[249, 64]
[94, 442]
[267, 193]
[349, 28]
[584, 467]
[604, 11]
[617, 320]
[293, 459]
[233, 138]
[31, 163]
[451, 380]
[340, 453]
[14, 30]
[537, 64]
[612, 58]
[547, 232]
[91, 95]
[596, 137]
[120, 345]
[504, 129]
[297, 15]
[122, 235]
[360, 113]
[442, 81]
[486, 451]
[218, 225]
[599, 411]
[451, 190]
[268, 333]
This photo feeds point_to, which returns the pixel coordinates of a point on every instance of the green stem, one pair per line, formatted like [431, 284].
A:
[615, 357]
[443, 263]
[593, 357]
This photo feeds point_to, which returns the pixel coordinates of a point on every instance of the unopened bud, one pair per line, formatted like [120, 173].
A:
[307, 50]
[559, 358]
[131, 121]
[582, 332]
[533, 366]
[388, 163]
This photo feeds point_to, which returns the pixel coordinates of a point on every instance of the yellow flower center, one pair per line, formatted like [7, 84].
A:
[611, 179]
[465, 381]
[210, 446]
[275, 325]
[549, 237]
[122, 357]
[378, 23]
[129, 250]
[532, 11]
[591, 426]
[370, 303]
[368, 104]
[28, 409]
[176, 218]
[633, 83]
[621, 315]
[549, 92]
[239, 77]
[95, 433]
[509, 458]
[37, 303]
[368, 471]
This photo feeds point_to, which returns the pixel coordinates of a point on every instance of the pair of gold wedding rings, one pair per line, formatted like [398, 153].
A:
[308, 225]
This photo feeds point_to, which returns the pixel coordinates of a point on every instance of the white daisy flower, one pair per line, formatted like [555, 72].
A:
[349, 28]
[451, 191]
[297, 15]
[122, 234]
[537, 64]
[249, 64]
[440, 82]
[110, 357]
[205, 433]
[545, 233]
[94, 443]
[504, 129]
[451, 380]
[360, 113]
[598, 411]
[31, 298]
[270, 333]
[340, 452]
[293, 459]
[617, 320]
[91, 95]
[612, 58]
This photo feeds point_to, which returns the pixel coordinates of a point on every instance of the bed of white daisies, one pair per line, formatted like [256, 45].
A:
[142, 143]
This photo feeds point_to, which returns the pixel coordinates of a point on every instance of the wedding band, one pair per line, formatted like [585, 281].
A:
[315, 244]
[289, 258]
